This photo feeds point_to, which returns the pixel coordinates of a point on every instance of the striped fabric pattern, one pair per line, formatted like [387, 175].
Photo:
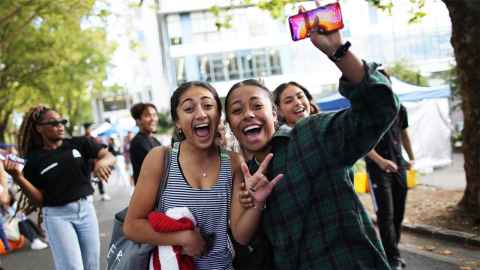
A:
[210, 207]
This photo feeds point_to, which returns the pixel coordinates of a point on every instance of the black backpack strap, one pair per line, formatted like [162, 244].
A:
[164, 178]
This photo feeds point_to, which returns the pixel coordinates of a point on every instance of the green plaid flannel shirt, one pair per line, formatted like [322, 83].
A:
[313, 219]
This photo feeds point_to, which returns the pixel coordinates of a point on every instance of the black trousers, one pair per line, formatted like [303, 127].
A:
[101, 189]
[29, 229]
[390, 190]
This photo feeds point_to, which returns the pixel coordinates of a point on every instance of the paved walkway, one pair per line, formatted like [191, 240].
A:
[449, 177]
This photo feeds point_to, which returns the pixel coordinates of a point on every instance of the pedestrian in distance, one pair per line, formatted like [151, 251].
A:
[201, 177]
[313, 219]
[387, 170]
[146, 118]
[55, 177]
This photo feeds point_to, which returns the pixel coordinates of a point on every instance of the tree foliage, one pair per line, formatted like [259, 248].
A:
[407, 73]
[51, 53]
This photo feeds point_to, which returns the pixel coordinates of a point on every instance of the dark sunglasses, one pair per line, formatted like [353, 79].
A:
[55, 123]
[38, 113]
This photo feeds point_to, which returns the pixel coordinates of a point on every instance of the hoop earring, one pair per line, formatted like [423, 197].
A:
[180, 136]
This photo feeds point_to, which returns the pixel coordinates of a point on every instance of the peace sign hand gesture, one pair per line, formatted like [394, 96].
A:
[258, 184]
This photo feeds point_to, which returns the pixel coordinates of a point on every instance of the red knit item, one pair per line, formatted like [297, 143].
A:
[160, 222]
[163, 223]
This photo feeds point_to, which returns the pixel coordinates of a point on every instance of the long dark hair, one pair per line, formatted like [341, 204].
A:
[175, 100]
[28, 138]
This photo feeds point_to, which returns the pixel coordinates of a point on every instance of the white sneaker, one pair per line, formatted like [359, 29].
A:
[105, 197]
[38, 244]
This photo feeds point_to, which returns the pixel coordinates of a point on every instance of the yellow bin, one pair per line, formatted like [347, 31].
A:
[411, 178]
[360, 182]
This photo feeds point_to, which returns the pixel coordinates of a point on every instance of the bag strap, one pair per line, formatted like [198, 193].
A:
[164, 178]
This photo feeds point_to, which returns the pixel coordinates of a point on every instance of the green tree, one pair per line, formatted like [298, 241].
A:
[465, 19]
[407, 74]
[52, 53]
[466, 41]
[165, 123]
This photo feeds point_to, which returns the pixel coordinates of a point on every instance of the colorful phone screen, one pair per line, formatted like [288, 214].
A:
[328, 18]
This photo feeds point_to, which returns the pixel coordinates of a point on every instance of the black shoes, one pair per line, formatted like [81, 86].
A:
[397, 263]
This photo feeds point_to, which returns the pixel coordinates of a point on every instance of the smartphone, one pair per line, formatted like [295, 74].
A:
[13, 158]
[328, 18]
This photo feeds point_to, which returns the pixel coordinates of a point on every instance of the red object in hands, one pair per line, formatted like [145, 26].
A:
[160, 222]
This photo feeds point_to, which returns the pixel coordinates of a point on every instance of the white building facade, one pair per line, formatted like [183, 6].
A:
[136, 65]
[258, 46]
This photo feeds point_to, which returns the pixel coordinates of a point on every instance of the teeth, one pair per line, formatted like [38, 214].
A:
[300, 110]
[200, 125]
[250, 128]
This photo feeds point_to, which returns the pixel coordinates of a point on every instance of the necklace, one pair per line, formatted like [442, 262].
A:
[205, 170]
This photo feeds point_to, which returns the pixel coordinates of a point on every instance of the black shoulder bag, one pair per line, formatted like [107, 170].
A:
[125, 254]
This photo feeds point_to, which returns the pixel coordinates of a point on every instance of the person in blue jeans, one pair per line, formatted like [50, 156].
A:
[56, 177]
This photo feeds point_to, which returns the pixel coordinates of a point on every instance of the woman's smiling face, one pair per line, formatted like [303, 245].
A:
[251, 117]
[294, 105]
[197, 116]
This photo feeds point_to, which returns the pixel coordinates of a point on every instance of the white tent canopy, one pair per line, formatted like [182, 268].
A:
[430, 132]
[429, 121]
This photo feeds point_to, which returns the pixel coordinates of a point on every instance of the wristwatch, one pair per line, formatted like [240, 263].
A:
[340, 52]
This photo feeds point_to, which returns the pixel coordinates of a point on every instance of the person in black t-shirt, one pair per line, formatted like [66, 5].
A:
[145, 115]
[387, 171]
[55, 177]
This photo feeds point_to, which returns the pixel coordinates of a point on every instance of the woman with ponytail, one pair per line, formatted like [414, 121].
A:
[56, 178]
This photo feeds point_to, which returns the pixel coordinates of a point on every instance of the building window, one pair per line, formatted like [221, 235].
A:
[247, 64]
[174, 29]
[180, 70]
[205, 69]
[232, 63]
[218, 70]
[260, 64]
[240, 65]
[274, 61]
[115, 103]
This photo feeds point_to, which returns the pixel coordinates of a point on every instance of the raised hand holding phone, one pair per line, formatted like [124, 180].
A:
[327, 42]
[350, 65]
[324, 18]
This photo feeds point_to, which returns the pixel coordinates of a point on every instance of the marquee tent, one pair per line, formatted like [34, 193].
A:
[429, 119]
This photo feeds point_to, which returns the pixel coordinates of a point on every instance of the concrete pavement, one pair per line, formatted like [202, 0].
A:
[27, 259]
[448, 177]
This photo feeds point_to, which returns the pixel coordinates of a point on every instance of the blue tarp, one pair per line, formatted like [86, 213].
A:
[405, 92]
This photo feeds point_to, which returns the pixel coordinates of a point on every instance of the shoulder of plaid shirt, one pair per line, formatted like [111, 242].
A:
[313, 219]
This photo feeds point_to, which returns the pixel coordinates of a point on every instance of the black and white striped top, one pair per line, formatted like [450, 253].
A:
[210, 207]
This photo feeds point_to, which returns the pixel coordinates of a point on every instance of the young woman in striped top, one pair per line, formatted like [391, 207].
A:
[203, 178]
